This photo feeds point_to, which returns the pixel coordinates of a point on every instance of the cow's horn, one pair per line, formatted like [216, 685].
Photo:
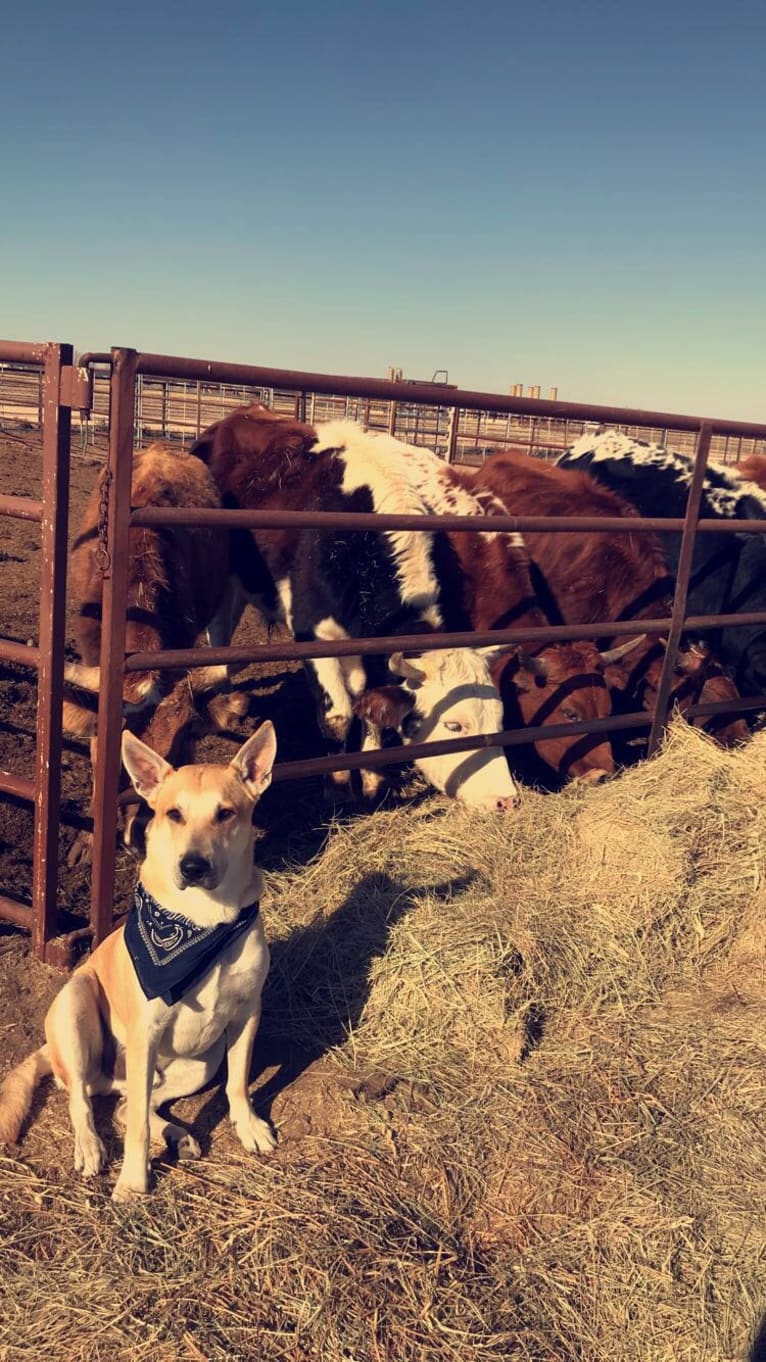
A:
[401, 666]
[622, 650]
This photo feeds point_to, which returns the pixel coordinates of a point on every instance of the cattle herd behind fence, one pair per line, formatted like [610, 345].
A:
[128, 399]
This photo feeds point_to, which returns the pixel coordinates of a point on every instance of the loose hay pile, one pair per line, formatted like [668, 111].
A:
[527, 1116]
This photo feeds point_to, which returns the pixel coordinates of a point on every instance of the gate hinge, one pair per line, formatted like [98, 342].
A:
[76, 387]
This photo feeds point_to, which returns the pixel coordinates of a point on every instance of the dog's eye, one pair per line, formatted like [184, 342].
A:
[453, 727]
[175, 815]
[223, 814]
[570, 715]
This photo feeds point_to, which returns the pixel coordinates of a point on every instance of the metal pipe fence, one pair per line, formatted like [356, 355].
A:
[126, 372]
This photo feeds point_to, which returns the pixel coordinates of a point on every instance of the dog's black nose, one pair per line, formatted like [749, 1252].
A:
[193, 868]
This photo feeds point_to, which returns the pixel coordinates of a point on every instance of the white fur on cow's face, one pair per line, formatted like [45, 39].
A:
[377, 463]
[458, 699]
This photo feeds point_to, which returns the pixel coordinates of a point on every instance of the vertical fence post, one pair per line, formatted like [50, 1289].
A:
[107, 765]
[57, 427]
[682, 585]
[452, 433]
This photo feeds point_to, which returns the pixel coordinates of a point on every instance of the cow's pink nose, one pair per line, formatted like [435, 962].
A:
[507, 803]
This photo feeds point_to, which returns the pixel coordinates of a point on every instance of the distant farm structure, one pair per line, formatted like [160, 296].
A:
[178, 409]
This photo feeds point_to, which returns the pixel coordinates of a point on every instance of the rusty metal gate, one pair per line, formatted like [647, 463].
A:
[125, 367]
[50, 511]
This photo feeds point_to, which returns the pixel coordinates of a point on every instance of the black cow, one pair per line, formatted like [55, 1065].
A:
[728, 571]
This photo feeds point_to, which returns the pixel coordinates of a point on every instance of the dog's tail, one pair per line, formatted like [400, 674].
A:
[17, 1091]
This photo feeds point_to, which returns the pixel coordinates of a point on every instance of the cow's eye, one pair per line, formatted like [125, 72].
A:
[224, 814]
[453, 727]
[175, 815]
[570, 715]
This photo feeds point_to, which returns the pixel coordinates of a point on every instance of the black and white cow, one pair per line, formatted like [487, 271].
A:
[728, 571]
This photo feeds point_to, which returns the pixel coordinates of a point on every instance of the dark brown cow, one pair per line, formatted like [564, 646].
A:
[476, 581]
[584, 578]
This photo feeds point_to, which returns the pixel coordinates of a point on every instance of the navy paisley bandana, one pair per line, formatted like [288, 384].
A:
[169, 952]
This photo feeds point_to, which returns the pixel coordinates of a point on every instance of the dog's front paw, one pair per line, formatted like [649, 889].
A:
[125, 1192]
[256, 1136]
[89, 1154]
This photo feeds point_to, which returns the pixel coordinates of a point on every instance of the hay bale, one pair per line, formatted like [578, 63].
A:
[529, 1123]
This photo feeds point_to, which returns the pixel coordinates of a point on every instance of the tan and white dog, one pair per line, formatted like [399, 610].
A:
[202, 945]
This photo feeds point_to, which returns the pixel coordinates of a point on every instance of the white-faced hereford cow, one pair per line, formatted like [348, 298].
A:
[728, 571]
[331, 585]
[591, 576]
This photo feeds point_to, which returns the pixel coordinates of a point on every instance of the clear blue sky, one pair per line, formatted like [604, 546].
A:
[555, 193]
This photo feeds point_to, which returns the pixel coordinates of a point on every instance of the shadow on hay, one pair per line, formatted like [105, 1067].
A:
[319, 984]
[757, 1351]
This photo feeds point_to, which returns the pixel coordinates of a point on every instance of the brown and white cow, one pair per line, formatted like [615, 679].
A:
[587, 577]
[331, 585]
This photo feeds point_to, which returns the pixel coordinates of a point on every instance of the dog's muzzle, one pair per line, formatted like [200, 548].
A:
[195, 870]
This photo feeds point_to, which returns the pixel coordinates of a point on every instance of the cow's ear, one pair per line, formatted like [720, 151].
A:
[385, 706]
[531, 673]
[203, 445]
[616, 675]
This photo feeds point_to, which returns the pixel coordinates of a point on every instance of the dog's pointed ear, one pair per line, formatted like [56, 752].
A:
[255, 759]
[146, 769]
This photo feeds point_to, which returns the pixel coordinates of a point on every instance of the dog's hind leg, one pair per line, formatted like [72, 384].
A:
[74, 1035]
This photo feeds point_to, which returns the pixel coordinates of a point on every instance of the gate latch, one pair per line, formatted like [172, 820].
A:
[76, 387]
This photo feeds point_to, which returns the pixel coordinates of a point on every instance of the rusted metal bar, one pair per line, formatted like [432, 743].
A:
[683, 574]
[422, 643]
[50, 675]
[372, 520]
[391, 756]
[425, 394]
[21, 508]
[711, 707]
[24, 655]
[18, 786]
[23, 352]
[114, 605]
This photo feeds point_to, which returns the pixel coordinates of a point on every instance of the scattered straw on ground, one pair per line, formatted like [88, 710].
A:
[521, 1100]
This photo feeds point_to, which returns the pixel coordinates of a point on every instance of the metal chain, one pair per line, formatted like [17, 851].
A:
[102, 555]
